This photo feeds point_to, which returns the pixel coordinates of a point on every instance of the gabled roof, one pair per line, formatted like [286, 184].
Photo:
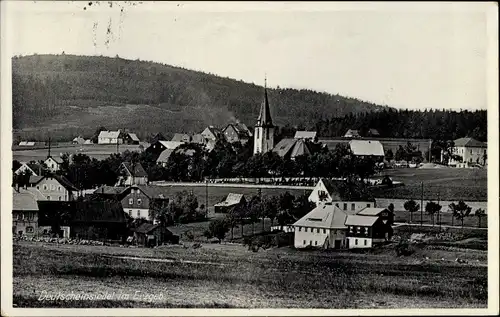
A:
[356, 220]
[370, 211]
[24, 200]
[469, 142]
[133, 136]
[216, 132]
[351, 133]
[291, 148]
[171, 144]
[284, 146]
[231, 199]
[164, 155]
[98, 211]
[300, 148]
[156, 192]
[373, 132]
[347, 191]
[56, 159]
[135, 171]
[364, 147]
[28, 167]
[146, 228]
[61, 179]
[242, 128]
[264, 119]
[79, 139]
[109, 134]
[110, 190]
[324, 216]
[181, 137]
[305, 135]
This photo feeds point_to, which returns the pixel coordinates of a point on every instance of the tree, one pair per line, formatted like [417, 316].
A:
[479, 213]
[254, 207]
[411, 206]
[389, 156]
[231, 219]
[207, 234]
[270, 207]
[218, 228]
[431, 208]
[390, 208]
[460, 211]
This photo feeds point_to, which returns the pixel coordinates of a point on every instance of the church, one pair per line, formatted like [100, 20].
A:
[264, 129]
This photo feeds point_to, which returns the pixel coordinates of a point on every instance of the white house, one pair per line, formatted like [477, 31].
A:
[350, 197]
[53, 163]
[352, 134]
[367, 148]
[109, 137]
[322, 227]
[54, 187]
[25, 167]
[306, 135]
[78, 140]
[470, 151]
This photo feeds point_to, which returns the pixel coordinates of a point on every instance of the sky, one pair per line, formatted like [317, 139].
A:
[404, 55]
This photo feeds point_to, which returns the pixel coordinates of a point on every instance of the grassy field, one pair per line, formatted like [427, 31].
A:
[229, 275]
[442, 183]
[445, 219]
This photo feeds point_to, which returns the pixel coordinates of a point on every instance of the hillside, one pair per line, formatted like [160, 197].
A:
[69, 95]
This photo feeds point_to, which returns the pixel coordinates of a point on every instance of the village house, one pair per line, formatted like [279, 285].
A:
[33, 168]
[373, 133]
[367, 148]
[365, 230]
[198, 139]
[24, 213]
[211, 133]
[306, 135]
[159, 146]
[132, 174]
[78, 140]
[130, 138]
[470, 151]
[322, 227]
[181, 137]
[350, 197]
[157, 137]
[352, 134]
[232, 200]
[54, 187]
[237, 132]
[110, 137]
[150, 235]
[53, 163]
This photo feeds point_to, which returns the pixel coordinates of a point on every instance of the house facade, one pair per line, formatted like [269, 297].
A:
[365, 231]
[110, 137]
[25, 167]
[150, 235]
[323, 227]
[132, 174]
[136, 203]
[470, 151]
[367, 148]
[53, 163]
[24, 213]
[306, 135]
[232, 200]
[211, 133]
[54, 187]
[349, 198]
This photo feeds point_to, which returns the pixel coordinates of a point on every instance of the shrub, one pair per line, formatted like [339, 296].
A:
[404, 248]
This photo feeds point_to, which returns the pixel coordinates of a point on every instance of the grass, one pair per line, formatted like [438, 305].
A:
[277, 278]
[445, 219]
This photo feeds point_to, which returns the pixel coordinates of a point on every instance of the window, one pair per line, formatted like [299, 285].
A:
[345, 206]
[59, 198]
[317, 230]
[139, 201]
[365, 242]
[138, 213]
[48, 197]
[300, 228]
[353, 206]
[131, 201]
[351, 229]
[310, 242]
[267, 136]
[315, 242]
[305, 229]
[44, 187]
[324, 230]
[257, 134]
[29, 229]
[38, 187]
[130, 213]
[305, 242]
[59, 188]
[359, 229]
[52, 187]
[337, 205]
[368, 205]
[356, 241]
[366, 230]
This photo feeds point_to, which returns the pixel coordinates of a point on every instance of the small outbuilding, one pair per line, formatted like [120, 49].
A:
[150, 235]
[232, 200]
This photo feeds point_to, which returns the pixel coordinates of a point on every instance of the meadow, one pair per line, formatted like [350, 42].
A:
[229, 275]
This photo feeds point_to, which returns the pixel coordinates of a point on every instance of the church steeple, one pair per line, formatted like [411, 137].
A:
[265, 119]
[264, 129]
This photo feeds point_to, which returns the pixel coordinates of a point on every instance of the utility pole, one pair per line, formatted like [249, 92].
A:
[439, 211]
[422, 206]
[49, 148]
[206, 198]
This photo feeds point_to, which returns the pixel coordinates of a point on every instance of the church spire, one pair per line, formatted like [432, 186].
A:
[265, 119]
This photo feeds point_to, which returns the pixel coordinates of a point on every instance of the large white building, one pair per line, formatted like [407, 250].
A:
[469, 150]
[109, 137]
[264, 129]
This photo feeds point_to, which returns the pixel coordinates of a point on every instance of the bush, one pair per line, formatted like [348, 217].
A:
[404, 249]
[283, 239]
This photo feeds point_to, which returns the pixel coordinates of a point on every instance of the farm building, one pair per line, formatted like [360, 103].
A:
[24, 213]
[110, 137]
[470, 151]
[54, 187]
[78, 140]
[181, 137]
[352, 134]
[346, 196]
[367, 148]
[150, 235]
[324, 227]
[53, 163]
[291, 148]
[365, 229]
[132, 174]
[232, 200]
[130, 138]
[198, 139]
[306, 135]
[211, 133]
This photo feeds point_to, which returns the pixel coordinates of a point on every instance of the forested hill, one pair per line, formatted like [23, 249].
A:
[70, 95]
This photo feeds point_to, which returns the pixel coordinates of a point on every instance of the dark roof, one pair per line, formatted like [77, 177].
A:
[35, 179]
[146, 228]
[98, 211]
[469, 142]
[291, 148]
[137, 171]
[373, 132]
[265, 119]
[156, 192]
[347, 191]
[110, 190]
[56, 159]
